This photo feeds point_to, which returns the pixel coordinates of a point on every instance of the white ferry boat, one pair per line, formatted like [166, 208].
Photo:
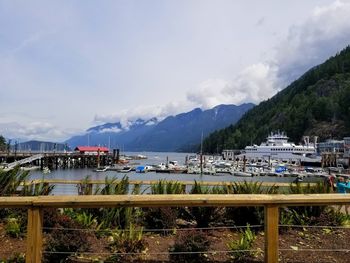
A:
[277, 147]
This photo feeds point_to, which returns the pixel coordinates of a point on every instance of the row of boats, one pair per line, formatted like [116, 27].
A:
[235, 169]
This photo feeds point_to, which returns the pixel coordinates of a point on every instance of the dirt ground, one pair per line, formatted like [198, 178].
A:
[295, 246]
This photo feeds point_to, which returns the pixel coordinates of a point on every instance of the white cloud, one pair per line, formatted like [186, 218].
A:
[144, 112]
[322, 35]
[253, 84]
[33, 130]
[113, 129]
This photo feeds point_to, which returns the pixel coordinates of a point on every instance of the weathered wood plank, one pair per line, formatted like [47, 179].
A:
[271, 234]
[34, 235]
[189, 200]
[175, 200]
[15, 201]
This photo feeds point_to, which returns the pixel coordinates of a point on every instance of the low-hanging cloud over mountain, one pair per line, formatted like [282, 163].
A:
[324, 33]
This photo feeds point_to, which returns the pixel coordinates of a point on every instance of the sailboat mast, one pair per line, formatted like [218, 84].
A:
[201, 155]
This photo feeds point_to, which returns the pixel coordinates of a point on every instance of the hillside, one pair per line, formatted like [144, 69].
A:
[318, 103]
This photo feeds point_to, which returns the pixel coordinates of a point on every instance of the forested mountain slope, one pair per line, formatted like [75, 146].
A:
[318, 103]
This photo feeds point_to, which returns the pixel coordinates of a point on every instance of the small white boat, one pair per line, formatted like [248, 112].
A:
[101, 169]
[125, 169]
[242, 174]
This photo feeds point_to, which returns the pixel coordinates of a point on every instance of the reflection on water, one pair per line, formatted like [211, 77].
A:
[153, 158]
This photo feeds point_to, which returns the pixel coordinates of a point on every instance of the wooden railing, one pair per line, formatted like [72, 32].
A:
[35, 206]
[150, 182]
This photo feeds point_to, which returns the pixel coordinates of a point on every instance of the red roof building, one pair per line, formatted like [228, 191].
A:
[91, 149]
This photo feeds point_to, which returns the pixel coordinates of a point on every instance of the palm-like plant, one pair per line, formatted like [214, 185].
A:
[11, 180]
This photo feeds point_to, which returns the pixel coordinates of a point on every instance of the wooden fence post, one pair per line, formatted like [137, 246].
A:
[271, 234]
[34, 235]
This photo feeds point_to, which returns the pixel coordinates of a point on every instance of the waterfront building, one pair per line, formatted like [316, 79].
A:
[91, 150]
[347, 147]
[333, 146]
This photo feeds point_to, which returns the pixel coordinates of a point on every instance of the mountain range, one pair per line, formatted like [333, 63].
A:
[181, 132]
[316, 104]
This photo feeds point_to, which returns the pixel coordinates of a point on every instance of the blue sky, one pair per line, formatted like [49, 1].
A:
[68, 65]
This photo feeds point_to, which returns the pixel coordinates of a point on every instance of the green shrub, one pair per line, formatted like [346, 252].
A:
[13, 227]
[190, 241]
[205, 215]
[167, 187]
[114, 217]
[126, 241]
[163, 217]
[240, 248]
[37, 189]
[11, 180]
[85, 186]
[303, 215]
[16, 258]
[247, 215]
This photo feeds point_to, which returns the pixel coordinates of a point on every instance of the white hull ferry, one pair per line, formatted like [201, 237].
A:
[277, 147]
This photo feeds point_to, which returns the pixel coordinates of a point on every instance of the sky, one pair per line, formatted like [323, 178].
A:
[67, 65]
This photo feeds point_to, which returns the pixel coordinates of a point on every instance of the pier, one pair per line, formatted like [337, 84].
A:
[55, 160]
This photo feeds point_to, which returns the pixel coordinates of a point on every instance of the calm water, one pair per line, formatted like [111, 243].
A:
[153, 158]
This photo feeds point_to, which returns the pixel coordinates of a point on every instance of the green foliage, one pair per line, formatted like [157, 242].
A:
[83, 218]
[13, 227]
[3, 144]
[167, 187]
[205, 215]
[250, 188]
[240, 248]
[247, 215]
[16, 258]
[114, 187]
[11, 180]
[126, 241]
[315, 104]
[163, 217]
[315, 188]
[114, 217]
[85, 186]
[190, 241]
[37, 189]
[304, 215]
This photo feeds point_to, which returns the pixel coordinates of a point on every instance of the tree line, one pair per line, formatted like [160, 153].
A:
[316, 104]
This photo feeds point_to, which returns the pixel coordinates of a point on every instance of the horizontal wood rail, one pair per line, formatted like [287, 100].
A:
[150, 182]
[271, 203]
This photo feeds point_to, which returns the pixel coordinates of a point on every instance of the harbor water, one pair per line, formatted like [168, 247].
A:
[153, 158]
